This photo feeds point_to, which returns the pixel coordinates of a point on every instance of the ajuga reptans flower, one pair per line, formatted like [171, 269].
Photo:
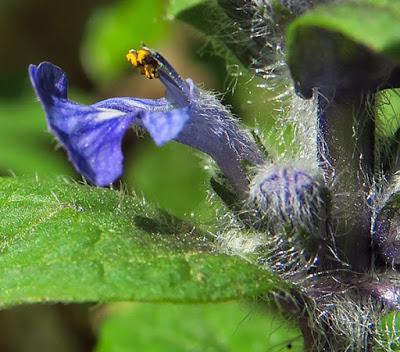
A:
[92, 135]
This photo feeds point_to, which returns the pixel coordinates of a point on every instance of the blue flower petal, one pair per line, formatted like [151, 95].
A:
[53, 81]
[164, 126]
[159, 117]
[128, 104]
[92, 135]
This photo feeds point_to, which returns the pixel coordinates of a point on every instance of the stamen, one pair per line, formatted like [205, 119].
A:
[154, 65]
[143, 58]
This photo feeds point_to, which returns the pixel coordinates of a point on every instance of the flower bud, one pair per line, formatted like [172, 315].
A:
[290, 194]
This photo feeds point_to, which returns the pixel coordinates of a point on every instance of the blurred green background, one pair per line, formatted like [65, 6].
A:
[89, 39]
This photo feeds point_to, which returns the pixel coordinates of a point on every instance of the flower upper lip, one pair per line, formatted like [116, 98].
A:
[92, 135]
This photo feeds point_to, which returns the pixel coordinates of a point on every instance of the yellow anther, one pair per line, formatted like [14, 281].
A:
[143, 59]
[132, 57]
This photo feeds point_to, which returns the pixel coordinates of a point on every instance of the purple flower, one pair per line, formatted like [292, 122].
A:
[92, 134]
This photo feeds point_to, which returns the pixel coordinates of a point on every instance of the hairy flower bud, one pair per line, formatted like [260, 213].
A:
[290, 194]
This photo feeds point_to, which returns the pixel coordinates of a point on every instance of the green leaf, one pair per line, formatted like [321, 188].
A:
[388, 337]
[210, 19]
[388, 114]
[387, 130]
[177, 6]
[227, 38]
[239, 31]
[350, 45]
[61, 241]
[213, 327]
[115, 29]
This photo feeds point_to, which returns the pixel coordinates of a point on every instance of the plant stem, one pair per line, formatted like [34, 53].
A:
[346, 152]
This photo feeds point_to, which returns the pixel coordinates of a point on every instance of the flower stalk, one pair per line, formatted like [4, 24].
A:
[346, 153]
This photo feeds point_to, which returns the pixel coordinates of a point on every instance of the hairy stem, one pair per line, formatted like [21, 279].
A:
[346, 148]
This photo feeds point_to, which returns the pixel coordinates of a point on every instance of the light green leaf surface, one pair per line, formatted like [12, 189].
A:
[341, 43]
[177, 6]
[373, 23]
[204, 327]
[65, 242]
[388, 113]
[388, 337]
[116, 28]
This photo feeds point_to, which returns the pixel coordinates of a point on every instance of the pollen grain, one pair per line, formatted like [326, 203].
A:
[144, 60]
